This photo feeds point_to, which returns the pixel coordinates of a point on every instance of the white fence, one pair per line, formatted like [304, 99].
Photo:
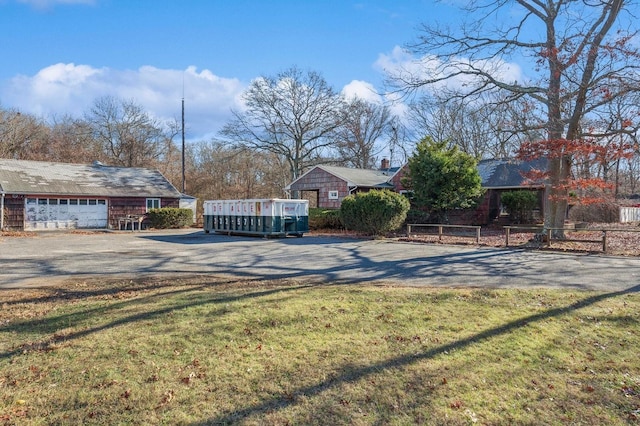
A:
[629, 214]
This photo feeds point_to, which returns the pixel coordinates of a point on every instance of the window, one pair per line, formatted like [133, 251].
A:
[153, 203]
[333, 195]
[73, 202]
[64, 202]
[102, 202]
[83, 202]
[93, 202]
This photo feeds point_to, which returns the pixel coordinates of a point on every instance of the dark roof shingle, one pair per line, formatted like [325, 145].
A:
[41, 177]
[509, 173]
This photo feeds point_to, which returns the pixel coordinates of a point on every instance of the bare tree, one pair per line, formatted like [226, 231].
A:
[291, 115]
[358, 138]
[615, 135]
[630, 175]
[220, 171]
[22, 136]
[476, 129]
[580, 47]
[70, 141]
[128, 135]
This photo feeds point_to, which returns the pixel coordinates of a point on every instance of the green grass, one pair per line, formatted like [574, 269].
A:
[209, 351]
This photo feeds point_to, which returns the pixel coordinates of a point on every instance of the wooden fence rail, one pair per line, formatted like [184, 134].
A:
[550, 239]
[441, 227]
[548, 233]
[507, 231]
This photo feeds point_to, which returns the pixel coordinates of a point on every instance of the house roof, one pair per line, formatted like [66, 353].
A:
[509, 173]
[367, 178]
[41, 177]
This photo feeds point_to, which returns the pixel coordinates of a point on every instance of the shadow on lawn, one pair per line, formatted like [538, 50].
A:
[357, 373]
[58, 294]
[53, 324]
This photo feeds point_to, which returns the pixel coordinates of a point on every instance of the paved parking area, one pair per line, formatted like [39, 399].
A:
[49, 257]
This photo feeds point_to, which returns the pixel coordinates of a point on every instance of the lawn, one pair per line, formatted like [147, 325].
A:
[205, 350]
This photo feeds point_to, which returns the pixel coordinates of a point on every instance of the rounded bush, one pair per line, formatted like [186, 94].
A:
[170, 218]
[375, 212]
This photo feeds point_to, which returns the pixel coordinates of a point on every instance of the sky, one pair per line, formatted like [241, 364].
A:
[62, 55]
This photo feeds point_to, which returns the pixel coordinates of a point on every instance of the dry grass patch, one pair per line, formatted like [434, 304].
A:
[206, 350]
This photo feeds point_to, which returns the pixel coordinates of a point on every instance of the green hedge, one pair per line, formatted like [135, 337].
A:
[325, 219]
[170, 217]
[374, 212]
[520, 204]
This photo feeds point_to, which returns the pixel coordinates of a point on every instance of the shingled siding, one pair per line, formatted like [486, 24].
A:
[324, 183]
[14, 212]
[121, 207]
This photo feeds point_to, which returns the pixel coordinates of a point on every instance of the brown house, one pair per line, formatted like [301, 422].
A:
[326, 186]
[38, 195]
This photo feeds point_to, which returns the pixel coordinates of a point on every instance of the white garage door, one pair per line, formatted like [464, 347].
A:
[65, 213]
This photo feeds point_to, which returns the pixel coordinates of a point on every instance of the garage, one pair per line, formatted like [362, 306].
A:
[65, 213]
[40, 195]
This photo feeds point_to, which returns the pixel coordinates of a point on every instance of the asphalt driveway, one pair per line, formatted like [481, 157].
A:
[50, 257]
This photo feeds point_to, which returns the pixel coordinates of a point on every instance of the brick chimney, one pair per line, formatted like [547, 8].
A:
[384, 165]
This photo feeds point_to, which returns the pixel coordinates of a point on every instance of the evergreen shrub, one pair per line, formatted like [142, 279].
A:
[520, 205]
[375, 212]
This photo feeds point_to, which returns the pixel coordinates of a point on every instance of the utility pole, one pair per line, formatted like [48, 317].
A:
[184, 180]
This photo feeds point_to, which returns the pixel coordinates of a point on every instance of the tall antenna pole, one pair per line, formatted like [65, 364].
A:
[184, 180]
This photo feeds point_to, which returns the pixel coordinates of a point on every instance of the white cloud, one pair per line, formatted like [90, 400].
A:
[363, 90]
[366, 91]
[401, 63]
[69, 89]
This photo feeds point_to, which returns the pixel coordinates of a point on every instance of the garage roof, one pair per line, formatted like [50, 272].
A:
[41, 177]
[366, 178]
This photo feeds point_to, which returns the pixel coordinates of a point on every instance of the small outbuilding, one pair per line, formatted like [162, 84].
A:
[39, 195]
[326, 186]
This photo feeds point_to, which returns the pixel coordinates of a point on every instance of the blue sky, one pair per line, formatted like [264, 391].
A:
[61, 55]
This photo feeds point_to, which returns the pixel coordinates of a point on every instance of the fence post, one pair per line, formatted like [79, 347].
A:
[440, 233]
[478, 235]
[549, 237]
[604, 240]
[408, 230]
[506, 235]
